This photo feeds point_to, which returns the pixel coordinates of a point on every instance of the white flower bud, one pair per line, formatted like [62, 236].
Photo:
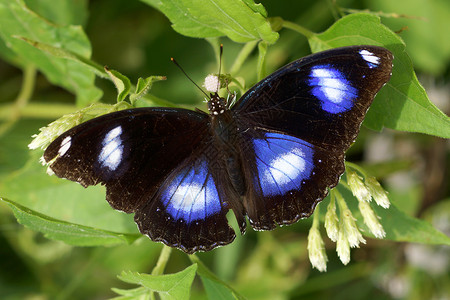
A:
[316, 250]
[371, 220]
[332, 221]
[342, 245]
[377, 192]
[357, 186]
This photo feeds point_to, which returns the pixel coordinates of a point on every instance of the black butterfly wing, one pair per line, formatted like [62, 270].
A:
[194, 199]
[296, 125]
[146, 157]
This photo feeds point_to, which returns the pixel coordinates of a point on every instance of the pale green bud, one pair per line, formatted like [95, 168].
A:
[332, 221]
[371, 220]
[342, 245]
[377, 192]
[352, 233]
[316, 250]
[357, 186]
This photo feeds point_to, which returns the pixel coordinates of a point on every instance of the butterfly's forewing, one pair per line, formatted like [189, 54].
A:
[296, 125]
[129, 151]
[153, 162]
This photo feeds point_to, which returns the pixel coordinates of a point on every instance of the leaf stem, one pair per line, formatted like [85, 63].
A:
[242, 56]
[22, 99]
[340, 200]
[300, 29]
[215, 44]
[162, 260]
[261, 66]
[356, 167]
[37, 110]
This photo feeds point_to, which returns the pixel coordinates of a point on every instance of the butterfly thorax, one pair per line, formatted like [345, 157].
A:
[217, 105]
[225, 139]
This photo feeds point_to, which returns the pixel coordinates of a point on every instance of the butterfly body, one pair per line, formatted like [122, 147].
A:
[271, 157]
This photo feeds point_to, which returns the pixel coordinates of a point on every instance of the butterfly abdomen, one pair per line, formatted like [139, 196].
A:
[225, 139]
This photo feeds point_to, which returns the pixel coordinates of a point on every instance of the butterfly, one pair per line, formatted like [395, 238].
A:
[269, 158]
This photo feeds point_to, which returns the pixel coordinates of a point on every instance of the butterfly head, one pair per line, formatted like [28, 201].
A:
[216, 104]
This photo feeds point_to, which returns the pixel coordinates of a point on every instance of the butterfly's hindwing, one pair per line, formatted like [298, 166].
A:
[286, 176]
[189, 210]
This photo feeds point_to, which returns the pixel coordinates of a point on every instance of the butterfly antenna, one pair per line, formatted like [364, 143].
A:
[175, 62]
[220, 66]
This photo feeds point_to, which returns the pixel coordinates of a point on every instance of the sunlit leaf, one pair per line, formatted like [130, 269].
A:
[175, 286]
[241, 21]
[17, 20]
[72, 234]
[64, 200]
[122, 83]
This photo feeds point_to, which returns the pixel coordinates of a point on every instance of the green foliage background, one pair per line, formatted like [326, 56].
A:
[51, 63]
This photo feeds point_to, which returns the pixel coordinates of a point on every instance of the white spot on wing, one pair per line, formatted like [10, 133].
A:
[371, 58]
[111, 154]
[65, 145]
[112, 134]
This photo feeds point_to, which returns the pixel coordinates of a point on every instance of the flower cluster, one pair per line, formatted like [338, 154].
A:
[343, 229]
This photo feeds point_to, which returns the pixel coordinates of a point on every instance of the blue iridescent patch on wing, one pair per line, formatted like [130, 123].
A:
[192, 195]
[334, 91]
[283, 162]
[372, 60]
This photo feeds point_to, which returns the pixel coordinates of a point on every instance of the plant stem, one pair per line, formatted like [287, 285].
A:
[300, 29]
[356, 167]
[340, 201]
[261, 66]
[37, 110]
[242, 56]
[162, 261]
[22, 99]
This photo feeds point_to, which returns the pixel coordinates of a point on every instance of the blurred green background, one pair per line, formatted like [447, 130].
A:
[137, 40]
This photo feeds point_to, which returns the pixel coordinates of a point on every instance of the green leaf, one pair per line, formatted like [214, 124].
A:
[131, 294]
[69, 233]
[122, 83]
[427, 30]
[17, 20]
[9, 55]
[143, 86]
[403, 103]
[61, 12]
[215, 288]
[175, 286]
[398, 226]
[241, 21]
[64, 200]
[66, 54]
[403, 228]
